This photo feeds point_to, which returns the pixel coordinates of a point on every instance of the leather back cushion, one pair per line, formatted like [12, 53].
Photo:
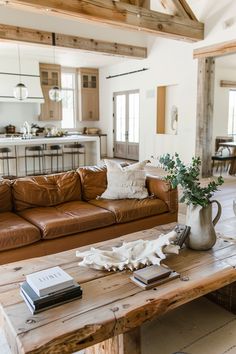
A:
[5, 196]
[48, 190]
[94, 181]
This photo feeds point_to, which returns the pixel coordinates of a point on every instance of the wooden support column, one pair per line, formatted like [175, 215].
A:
[127, 343]
[206, 76]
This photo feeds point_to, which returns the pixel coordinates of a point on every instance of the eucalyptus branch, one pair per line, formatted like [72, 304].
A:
[187, 176]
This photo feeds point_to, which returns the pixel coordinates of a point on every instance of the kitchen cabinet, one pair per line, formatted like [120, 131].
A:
[50, 76]
[88, 90]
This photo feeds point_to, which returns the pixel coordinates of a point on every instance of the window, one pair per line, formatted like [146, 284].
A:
[68, 101]
[232, 112]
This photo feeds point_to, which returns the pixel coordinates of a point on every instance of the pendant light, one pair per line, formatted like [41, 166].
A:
[55, 93]
[20, 91]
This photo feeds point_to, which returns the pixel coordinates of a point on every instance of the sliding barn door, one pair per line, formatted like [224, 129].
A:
[126, 125]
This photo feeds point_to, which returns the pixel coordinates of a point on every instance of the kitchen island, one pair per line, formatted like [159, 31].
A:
[18, 145]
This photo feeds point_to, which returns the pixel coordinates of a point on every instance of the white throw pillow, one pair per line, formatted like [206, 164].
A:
[125, 182]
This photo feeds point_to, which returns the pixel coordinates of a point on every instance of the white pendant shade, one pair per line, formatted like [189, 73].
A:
[20, 92]
[55, 94]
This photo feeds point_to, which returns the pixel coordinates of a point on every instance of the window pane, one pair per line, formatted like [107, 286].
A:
[134, 117]
[67, 80]
[120, 117]
[67, 109]
[232, 112]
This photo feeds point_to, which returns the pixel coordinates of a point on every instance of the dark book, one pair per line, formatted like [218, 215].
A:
[40, 302]
[155, 283]
[150, 274]
[34, 310]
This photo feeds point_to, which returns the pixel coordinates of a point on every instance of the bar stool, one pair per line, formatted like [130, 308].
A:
[35, 153]
[75, 151]
[55, 152]
[6, 156]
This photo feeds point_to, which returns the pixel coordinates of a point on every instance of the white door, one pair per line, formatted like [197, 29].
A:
[126, 125]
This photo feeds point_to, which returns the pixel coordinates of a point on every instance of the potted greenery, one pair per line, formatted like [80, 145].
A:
[197, 197]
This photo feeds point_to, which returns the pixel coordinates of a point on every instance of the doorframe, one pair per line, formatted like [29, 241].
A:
[114, 118]
[205, 99]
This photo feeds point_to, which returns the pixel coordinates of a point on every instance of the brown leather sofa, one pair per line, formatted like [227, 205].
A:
[52, 213]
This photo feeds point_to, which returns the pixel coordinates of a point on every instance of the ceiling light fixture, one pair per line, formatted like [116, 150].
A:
[55, 93]
[20, 91]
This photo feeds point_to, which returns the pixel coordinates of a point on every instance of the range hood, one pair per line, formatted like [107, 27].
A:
[9, 80]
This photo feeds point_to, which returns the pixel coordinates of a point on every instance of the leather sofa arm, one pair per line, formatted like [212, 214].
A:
[162, 189]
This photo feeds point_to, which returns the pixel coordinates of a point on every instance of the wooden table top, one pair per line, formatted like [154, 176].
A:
[111, 303]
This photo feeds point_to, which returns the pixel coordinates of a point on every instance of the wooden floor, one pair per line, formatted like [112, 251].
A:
[199, 327]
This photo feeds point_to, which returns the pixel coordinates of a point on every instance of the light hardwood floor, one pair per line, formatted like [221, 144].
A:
[199, 327]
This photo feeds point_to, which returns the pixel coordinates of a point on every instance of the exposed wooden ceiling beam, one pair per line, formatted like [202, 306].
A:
[29, 35]
[215, 50]
[229, 84]
[140, 3]
[179, 8]
[124, 16]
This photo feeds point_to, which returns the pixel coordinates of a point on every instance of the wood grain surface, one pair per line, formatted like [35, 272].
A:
[111, 303]
[121, 15]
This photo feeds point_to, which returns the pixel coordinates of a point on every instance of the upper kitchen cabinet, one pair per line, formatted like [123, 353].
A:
[88, 85]
[50, 75]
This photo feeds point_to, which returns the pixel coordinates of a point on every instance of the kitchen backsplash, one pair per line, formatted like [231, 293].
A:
[17, 113]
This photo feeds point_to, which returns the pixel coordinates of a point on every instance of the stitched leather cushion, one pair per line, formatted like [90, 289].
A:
[16, 232]
[5, 196]
[68, 218]
[132, 209]
[31, 192]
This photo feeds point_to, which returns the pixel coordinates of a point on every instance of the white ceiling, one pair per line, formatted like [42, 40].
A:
[66, 57]
[63, 56]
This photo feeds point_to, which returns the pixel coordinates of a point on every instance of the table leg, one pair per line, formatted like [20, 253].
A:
[232, 169]
[126, 343]
[225, 297]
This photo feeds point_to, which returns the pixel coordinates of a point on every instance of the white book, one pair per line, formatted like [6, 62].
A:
[49, 280]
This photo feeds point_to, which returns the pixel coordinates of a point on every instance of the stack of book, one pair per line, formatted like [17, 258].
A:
[48, 288]
[153, 276]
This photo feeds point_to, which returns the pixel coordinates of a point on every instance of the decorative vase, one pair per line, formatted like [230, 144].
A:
[202, 235]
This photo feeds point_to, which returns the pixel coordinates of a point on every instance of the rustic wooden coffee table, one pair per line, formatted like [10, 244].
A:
[108, 317]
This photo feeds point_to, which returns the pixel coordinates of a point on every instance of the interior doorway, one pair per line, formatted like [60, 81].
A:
[126, 124]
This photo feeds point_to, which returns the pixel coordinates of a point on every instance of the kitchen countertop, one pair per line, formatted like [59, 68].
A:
[18, 141]
[49, 140]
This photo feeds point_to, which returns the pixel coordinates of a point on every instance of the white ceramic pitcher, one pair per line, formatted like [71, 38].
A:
[202, 234]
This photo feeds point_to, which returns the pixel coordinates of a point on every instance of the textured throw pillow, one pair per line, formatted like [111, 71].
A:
[125, 182]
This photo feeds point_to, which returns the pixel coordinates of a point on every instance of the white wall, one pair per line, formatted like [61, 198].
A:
[17, 113]
[169, 63]
[221, 101]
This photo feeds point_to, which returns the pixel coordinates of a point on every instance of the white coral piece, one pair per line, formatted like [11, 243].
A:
[131, 255]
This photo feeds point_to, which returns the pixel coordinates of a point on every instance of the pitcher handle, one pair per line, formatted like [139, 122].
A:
[218, 215]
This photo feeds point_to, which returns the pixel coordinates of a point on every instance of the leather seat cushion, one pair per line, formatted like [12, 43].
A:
[126, 210]
[68, 218]
[5, 196]
[16, 232]
[48, 190]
